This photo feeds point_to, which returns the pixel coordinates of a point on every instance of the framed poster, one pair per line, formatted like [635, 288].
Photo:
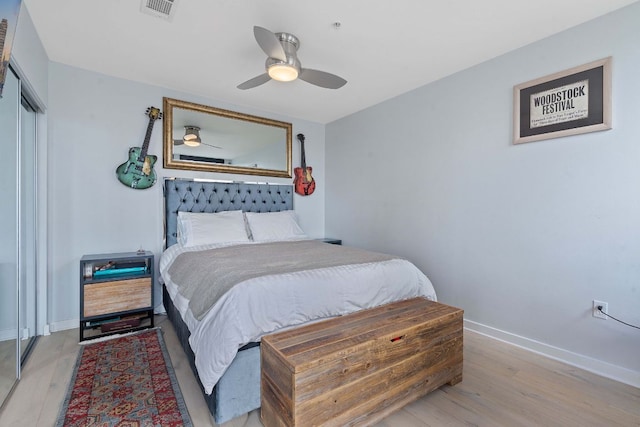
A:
[567, 103]
[8, 20]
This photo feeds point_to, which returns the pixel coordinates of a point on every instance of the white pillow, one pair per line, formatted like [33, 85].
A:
[274, 226]
[205, 228]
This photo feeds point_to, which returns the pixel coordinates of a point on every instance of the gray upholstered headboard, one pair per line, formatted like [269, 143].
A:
[210, 196]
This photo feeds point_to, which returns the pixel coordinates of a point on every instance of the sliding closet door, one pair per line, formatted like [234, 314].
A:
[27, 216]
[9, 133]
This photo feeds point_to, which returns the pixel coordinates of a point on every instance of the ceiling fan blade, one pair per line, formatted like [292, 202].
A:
[269, 43]
[181, 142]
[209, 145]
[322, 78]
[256, 81]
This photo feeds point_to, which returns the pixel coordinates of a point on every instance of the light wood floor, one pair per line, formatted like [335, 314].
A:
[7, 366]
[502, 386]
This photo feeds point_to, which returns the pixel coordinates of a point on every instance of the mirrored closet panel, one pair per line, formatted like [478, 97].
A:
[9, 133]
[18, 209]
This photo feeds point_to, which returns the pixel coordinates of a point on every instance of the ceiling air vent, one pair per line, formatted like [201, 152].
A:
[164, 9]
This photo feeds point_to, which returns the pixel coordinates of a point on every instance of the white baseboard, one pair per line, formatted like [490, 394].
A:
[8, 334]
[598, 367]
[64, 325]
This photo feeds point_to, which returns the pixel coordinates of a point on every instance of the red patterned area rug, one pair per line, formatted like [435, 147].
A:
[126, 382]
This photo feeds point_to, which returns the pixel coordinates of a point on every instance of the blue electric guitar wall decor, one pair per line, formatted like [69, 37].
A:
[137, 172]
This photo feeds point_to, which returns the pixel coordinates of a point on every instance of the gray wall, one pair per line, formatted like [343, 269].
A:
[29, 56]
[93, 120]
[524, 237]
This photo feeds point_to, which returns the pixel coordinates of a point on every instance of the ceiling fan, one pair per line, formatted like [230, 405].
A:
[283, 65]
[192, 138]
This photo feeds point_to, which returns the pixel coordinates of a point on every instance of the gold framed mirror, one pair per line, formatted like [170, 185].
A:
[203, 138]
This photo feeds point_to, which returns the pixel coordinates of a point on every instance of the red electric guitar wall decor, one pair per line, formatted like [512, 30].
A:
[303, 181]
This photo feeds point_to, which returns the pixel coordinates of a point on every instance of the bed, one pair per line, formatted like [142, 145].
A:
[223, 350]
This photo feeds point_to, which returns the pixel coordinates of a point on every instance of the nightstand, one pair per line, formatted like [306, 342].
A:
[116, 293]
[331, 241]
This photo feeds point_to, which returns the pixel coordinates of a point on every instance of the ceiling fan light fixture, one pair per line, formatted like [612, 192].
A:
[283, 72]
[191, 142]
[191, 136]
[282, 62]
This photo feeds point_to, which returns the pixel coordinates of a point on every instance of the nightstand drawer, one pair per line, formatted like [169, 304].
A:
[117, 296]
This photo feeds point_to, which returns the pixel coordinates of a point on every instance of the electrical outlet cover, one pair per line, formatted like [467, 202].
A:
[596, 312]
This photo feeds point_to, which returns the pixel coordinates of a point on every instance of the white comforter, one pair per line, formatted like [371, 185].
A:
[270, 303]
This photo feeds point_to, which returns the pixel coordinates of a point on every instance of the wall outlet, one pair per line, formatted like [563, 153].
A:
[596, 312]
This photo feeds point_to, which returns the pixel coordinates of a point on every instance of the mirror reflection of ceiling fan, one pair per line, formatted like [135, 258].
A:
[191, 138]
[283, 64]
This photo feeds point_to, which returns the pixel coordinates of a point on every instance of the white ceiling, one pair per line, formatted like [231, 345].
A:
[383, 47]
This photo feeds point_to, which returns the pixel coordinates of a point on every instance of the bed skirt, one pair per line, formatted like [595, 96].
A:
[238, 391]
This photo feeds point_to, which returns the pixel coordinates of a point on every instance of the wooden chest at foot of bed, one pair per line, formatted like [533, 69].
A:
[358, 368]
